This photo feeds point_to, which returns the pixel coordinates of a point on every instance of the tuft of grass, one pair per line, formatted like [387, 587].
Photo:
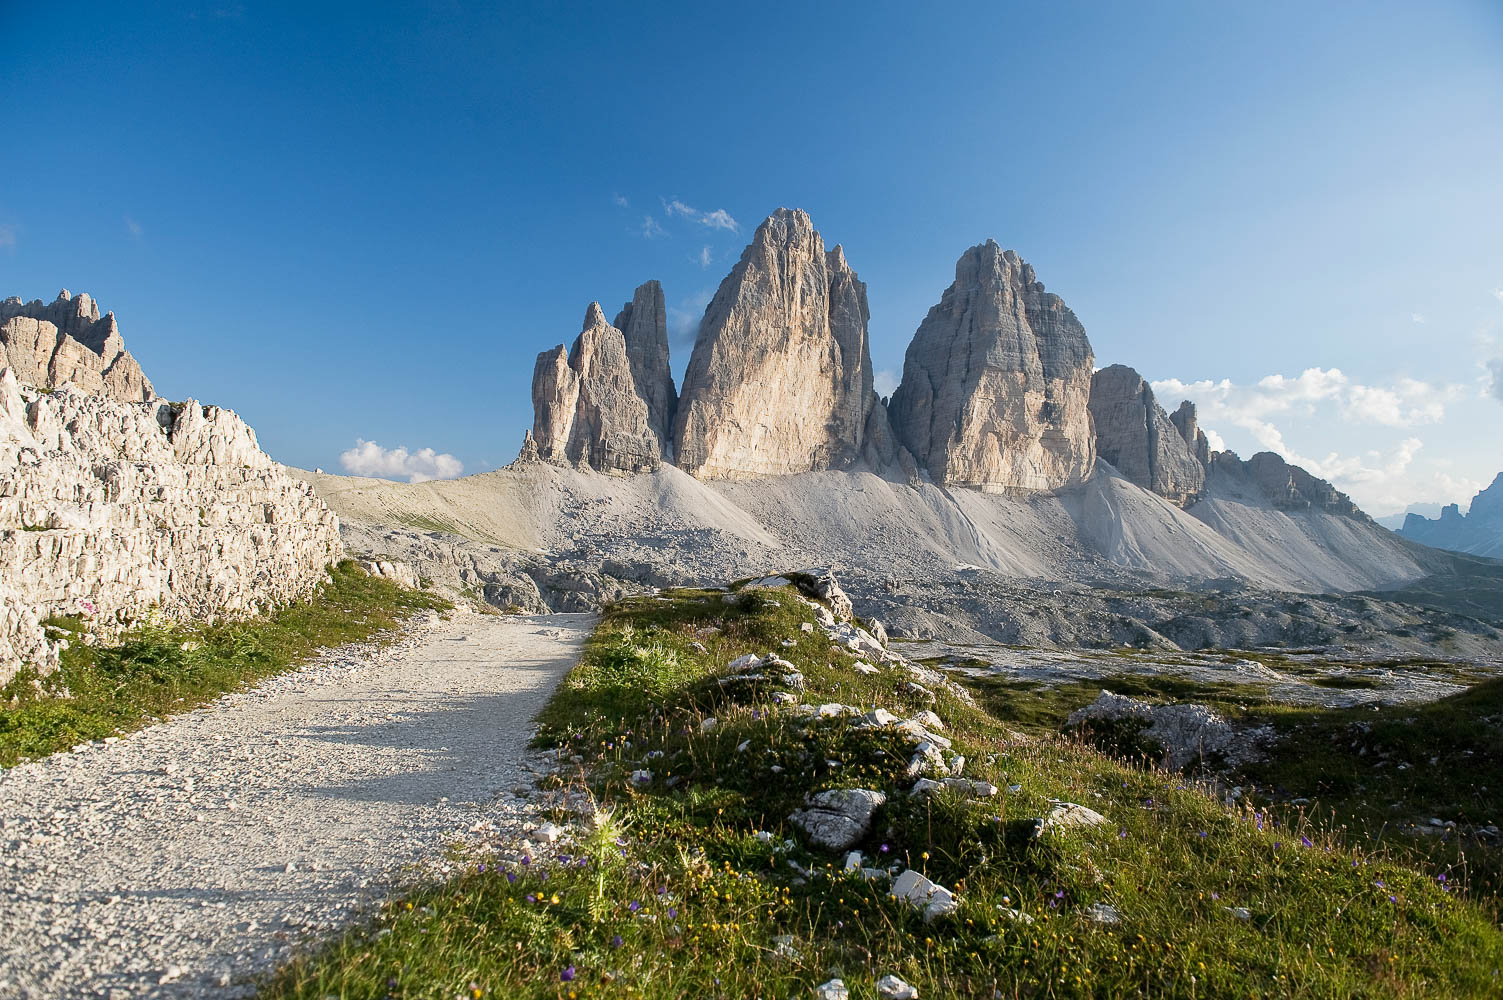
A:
[154, 671]
[697, 883]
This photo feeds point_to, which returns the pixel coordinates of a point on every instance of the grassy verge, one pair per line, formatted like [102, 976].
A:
[692, 882]
[153, 672]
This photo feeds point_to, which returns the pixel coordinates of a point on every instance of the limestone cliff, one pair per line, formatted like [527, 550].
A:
[67, 341]
[780, 380]
[643, 322]
[1287, 487]
[1140, 440]
[588, 408]
[1478, 531]
[112, 511]
[1187, 422]
[997, 382]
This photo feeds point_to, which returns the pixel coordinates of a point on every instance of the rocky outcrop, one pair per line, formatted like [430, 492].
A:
[780, 380]
[67, 341]
[1287, 487]
[115, 511]
[588, 408]
[997, 382]
[1479, 531]
[1140, 440]
[644, 323]
[1187, 422]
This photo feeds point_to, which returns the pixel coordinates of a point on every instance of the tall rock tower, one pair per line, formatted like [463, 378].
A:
[780, 380]
[997, 382]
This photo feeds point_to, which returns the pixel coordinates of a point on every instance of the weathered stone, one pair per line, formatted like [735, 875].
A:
[643, 322]
[1186, 733]
[890, 987]
[932, 899]
[67, 341]
[1187, 422]
[780, 380]
[996, 382]
[1065, 816]
[587, 407]
[1287, 487]
[1136, 436]
[838, 818]
[115, 511]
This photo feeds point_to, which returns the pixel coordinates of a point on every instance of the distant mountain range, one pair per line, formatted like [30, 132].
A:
[1478, 532]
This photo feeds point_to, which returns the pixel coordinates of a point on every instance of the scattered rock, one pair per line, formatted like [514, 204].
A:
[1187, 733]
[838, 818]
[933, 900]
[1065, 816]
[890, 987]
[832, 990]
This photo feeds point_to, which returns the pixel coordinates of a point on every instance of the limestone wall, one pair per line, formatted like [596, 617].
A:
[110, 509]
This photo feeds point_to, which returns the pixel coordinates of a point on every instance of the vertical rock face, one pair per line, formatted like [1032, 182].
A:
[644, 323]
[1478, 531]
[997, 382]
[112, 510]
[1188, 425]
[780, 380]
[1140, 440]
[587, 409]
[67, 341]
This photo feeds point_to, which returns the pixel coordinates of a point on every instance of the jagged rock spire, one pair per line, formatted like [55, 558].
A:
[1145, 444]
[66, 340]
[644, 323]
[780, 380]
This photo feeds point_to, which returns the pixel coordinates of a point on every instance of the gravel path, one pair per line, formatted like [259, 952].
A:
[184, 859]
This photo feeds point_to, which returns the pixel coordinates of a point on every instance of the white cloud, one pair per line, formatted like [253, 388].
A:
[620, 201]
[1495, 370]
[705, 258]
[885, 381]
[8, 236]
[1418, 318]
[133, 227]
[368, 458]
[1498, 294]
[651, 229]
[720, 219]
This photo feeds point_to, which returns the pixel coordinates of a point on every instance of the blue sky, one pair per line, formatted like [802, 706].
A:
[363, 223]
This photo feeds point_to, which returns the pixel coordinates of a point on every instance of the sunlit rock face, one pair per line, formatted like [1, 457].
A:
[780, 380]
[587, 407]
[46, 345]
[997, 382]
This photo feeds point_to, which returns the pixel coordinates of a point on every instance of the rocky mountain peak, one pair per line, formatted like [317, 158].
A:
[644, 323]
[67, 340]
[1140, 440]
[996, 382]
[780, 380]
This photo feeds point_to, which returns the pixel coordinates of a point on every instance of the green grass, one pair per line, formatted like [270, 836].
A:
[675, 895]
[153, 672]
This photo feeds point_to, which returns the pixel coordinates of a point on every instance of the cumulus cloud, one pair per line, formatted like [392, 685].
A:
[1405, 402]
[1418, 318]
[368, 458]
[652, 229]
[8, 236]
[885, 381]
[676, 207]
[620, 201]
[1498, 294]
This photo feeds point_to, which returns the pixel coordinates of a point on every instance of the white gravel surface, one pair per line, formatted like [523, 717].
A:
[185, 859]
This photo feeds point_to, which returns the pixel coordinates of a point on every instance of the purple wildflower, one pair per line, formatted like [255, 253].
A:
[634, 906]
[616, 941]
[1307, 841]
[568, 974]
[672, 913]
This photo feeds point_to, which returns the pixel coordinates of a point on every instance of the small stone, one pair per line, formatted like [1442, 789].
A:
[709, 724]
[1102, 913]
[807, 628]
[832, 990]
[1065, 815]
[890, 987]
[1240, 912]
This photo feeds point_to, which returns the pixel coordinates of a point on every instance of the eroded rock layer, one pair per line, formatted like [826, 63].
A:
[587, 407]
[1287, 487]
[780, 380]
[997, 382]
[112, 511]
[643, 322]
[46, 345]
[1140, 440]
